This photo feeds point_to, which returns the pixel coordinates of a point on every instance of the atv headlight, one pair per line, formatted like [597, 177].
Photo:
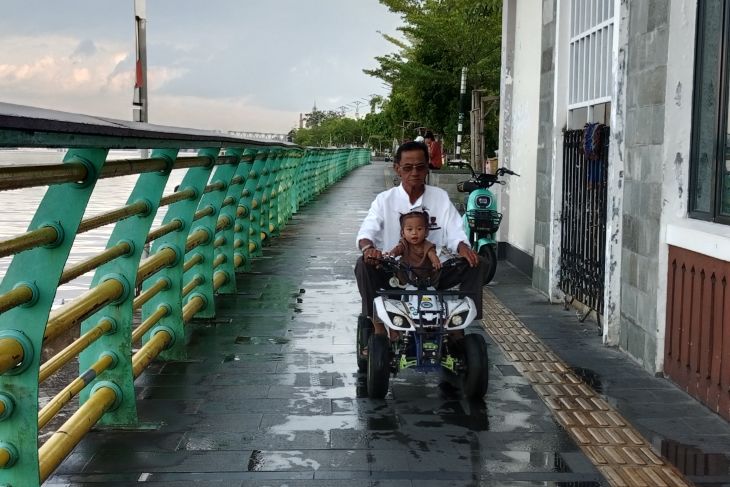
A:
[398, 320]
[457, 320]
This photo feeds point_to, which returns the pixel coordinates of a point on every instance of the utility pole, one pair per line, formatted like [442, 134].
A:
[139, 102]
[462, 101]
[357, 104]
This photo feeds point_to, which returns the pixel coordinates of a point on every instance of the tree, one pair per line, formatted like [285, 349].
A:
[318, 117]
[441, 36]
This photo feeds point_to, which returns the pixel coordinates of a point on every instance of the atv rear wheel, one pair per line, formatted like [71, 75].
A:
[476, 377]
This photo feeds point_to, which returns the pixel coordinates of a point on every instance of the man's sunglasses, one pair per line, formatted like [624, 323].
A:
[417, 167]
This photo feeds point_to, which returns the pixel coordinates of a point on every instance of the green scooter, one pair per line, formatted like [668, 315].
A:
[481, 218]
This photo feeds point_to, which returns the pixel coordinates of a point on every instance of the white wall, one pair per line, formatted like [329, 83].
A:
[524, 120]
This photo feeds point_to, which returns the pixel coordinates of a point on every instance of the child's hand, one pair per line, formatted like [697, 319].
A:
[435, 262]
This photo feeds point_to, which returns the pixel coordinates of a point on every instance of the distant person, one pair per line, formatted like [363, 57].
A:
[435, 155]
[413, 248]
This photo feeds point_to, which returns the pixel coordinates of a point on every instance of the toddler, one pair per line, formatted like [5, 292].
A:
[413, 247]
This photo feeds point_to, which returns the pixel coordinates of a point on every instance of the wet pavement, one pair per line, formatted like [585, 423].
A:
[270, 394]
[682, 430]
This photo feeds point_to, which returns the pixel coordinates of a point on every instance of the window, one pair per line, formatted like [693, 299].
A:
[709, 192]
[591, 61]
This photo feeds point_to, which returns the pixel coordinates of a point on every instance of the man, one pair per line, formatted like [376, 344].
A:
[381, 230]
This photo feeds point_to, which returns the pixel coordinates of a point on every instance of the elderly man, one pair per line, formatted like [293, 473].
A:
[381, 231]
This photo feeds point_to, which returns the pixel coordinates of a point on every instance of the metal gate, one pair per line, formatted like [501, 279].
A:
[583, 222]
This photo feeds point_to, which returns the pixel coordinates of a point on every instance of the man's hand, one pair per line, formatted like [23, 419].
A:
[465, 251]
[371, 256]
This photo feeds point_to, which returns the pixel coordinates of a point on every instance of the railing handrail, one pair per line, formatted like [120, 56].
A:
[25, 126]
[218, 219]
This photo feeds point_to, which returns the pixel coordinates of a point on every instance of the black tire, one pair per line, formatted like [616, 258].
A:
[475, 379]
[378, 366]
[490, 256]
[364, 330]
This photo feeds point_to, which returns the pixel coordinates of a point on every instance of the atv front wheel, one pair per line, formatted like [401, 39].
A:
[378, 366]
[364, 330]
[476, 377]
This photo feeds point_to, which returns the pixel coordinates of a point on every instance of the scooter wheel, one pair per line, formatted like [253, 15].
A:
[378, 366]
[490, 256]
[475, 379]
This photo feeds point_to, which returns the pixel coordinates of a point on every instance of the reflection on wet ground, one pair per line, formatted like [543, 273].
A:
[694, 462]
[270, 393]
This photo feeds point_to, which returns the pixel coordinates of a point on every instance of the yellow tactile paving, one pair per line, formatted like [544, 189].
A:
[616, 448]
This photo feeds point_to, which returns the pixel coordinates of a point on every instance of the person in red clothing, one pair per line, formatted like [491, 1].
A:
[434, 151]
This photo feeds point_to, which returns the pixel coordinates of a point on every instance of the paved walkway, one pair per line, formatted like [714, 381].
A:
[270, 395]
[681, 429]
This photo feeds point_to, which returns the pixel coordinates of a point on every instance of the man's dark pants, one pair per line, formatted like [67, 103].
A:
[469, 279]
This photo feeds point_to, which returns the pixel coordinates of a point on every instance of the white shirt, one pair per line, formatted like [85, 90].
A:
[382, 223]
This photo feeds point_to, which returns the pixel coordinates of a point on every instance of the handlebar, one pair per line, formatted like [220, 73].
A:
[395, 266]
[391, 264]
[480, 180]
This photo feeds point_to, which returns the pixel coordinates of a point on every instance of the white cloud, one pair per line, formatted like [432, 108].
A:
[52, 64]
[205, 70]
[237, 113]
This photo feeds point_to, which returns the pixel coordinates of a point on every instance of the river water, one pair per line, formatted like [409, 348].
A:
[19, 206]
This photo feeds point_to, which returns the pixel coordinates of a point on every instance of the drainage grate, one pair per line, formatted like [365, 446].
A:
[618, 451]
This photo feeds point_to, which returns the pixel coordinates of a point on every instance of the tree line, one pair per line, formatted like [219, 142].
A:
[439, 37]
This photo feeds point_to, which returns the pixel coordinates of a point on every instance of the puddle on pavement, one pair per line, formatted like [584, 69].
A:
[256, 340]
[472, 416]
[382, 423]
[255, 461]
[592, 379]
[279, 461]
[692, 461]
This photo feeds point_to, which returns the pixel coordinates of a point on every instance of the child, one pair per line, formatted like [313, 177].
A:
[414, 250]
[413, 247]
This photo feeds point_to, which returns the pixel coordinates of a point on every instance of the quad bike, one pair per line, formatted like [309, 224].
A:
[428, 326]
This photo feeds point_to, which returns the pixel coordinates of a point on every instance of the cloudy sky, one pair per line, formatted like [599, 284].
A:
[212, 64]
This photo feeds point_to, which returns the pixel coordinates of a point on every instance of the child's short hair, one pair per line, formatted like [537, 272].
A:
[417, 213]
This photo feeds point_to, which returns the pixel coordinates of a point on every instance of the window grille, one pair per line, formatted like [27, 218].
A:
[591, 52]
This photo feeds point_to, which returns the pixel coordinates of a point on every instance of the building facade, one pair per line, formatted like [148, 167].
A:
[618, 110]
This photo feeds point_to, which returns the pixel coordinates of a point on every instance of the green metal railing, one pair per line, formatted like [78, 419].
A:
[235, 195]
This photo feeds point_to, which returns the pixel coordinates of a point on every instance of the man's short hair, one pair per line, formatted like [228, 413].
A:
[411, 146]
[429, 135]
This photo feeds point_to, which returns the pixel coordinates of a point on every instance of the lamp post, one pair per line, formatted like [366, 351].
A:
[139, 100]
[462, 102]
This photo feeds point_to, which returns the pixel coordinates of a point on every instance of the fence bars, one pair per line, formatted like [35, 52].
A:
[229, 204]
[583, 220]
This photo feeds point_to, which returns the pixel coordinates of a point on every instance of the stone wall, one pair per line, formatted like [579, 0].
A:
[642, 205]
[541, 267]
